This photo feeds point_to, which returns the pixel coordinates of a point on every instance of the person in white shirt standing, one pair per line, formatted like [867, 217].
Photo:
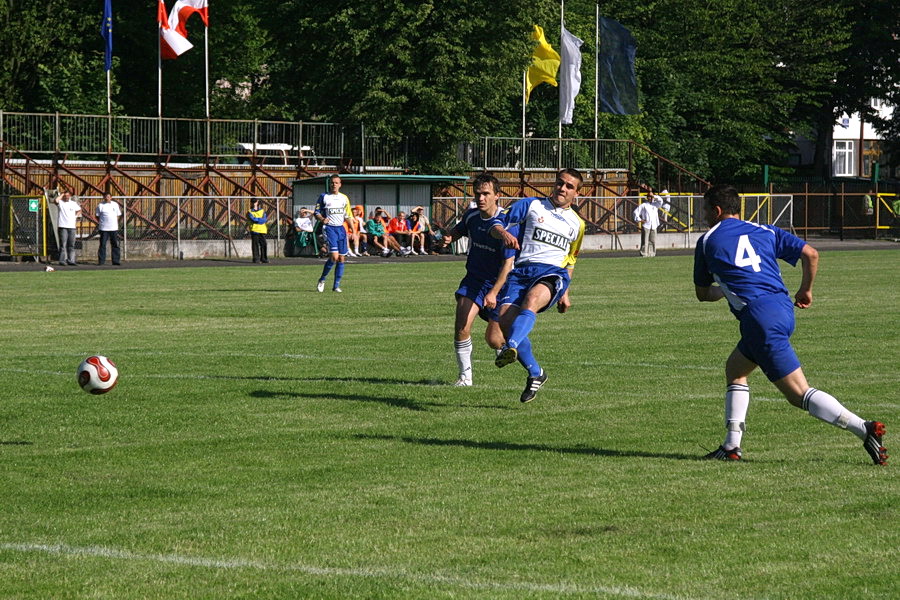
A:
[332, 210]
[647, 214]
[69, 211]
[108, 213]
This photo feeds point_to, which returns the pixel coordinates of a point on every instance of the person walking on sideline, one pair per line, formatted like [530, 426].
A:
[550, 236]
[739, 257]
[332, 209]
[487, 267]
[108, 213]
[256, 223]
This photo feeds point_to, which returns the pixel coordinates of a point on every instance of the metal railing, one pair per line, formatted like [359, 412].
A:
[287, 143]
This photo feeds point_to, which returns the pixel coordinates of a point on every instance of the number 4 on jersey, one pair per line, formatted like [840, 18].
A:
[745, 255]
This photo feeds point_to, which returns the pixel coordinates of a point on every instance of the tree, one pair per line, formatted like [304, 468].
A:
[47, 64]
[437, 71]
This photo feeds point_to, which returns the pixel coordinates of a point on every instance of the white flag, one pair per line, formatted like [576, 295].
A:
[569, 75]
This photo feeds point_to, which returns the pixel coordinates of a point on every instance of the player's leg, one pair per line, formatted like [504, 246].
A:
[826, 407]
[340, 258]
[466, 310]
[493, 335]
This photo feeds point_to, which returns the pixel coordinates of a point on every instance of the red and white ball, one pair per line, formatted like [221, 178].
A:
[97, 375]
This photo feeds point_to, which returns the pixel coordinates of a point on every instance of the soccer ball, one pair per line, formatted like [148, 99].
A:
[97, 375]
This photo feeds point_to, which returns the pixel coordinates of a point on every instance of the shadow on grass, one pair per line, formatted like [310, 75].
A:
[527, 447]
[395, 402]
[374, 380]
[15, 443]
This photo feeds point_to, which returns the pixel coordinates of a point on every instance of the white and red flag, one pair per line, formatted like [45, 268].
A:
[183, 10]
[172, 43]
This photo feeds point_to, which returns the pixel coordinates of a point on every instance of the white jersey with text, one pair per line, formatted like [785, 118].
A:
[335, 208]
[547, 234]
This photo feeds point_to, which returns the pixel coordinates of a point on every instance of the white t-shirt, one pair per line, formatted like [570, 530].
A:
[67, 214]
[108, 214]
[648, 214]
[303, 223]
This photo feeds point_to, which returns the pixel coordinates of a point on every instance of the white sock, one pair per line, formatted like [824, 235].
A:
[464, 358]
[826, 407]
[737, 401]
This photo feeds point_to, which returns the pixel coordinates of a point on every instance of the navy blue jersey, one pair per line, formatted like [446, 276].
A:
[486, 254]
[741, 257]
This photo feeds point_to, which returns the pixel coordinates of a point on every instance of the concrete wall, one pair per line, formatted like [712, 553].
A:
[632, 241]
[240, 249]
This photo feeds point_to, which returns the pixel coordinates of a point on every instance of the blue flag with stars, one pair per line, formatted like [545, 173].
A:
[106, 32]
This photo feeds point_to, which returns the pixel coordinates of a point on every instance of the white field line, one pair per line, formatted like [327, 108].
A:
[426, 578]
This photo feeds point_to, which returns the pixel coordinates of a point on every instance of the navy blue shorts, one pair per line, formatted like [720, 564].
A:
[337, 239]
[476, 289]
[766, 328]
[522, 279]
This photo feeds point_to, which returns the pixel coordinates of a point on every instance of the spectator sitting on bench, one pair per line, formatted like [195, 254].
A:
[378, 236]
[417, 233]
[399, 230]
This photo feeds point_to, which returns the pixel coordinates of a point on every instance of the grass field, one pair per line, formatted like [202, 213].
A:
[266, 441]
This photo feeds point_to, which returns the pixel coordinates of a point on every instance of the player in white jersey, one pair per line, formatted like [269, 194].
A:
[740, 257]
[550, 236]
[331, 210]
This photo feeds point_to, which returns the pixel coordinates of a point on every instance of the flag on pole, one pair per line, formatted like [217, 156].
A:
[183, 10]
[106, 31]
[570, 75]
[618, 83]
[544, 64]
[171, 44]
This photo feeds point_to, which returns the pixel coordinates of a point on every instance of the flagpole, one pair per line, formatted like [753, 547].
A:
[562, 25]
[206, 49]
[524, 101]
[596, 65]
[108, 96]
[159, 86]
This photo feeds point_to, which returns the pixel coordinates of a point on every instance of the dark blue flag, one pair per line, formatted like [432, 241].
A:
[618, 83]
[106, 32]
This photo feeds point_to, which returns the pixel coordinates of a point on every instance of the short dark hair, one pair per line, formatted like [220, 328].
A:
[725, 197]
[489, 178]
[574, 173]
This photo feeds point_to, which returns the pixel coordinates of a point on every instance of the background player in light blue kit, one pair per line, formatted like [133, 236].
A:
[740, 258]
[487, 266]
[549, 239]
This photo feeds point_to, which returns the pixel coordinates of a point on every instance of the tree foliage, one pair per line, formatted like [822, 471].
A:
[724, 86]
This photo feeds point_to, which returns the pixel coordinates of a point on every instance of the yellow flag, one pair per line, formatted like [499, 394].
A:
[544, 64]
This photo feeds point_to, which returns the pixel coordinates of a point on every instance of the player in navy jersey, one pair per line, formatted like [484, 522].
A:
[736, 260]
[549, 239]
[487, 267]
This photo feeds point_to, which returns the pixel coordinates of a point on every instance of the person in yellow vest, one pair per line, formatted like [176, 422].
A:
[256, 223]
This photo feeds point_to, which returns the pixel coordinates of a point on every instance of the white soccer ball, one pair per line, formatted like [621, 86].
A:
[97, 375]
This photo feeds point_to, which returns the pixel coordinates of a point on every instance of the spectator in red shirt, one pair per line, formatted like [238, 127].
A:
[399, 229]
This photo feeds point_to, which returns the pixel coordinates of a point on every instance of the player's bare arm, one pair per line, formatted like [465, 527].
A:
[509, 240]
[490, 299]
[809, 260]
[565, 303]
[709, 294]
